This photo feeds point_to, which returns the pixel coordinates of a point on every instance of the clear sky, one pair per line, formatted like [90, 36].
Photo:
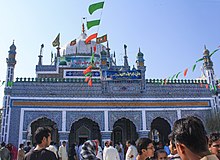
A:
[171, 33]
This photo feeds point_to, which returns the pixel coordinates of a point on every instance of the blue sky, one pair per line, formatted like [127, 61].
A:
[171, 33]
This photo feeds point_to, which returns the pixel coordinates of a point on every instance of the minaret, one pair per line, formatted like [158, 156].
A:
[109, 57]
[40, 56]
[125, 57]
[11, 61]
[208, 66]
[140, 66]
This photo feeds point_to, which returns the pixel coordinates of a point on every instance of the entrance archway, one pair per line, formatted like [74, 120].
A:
[124, 130]
[45, 122]
[82, 130]
[160, 129]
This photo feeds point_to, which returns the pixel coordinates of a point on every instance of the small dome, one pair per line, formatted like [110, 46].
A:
[140, 54]
[82, 48]
[12, 48]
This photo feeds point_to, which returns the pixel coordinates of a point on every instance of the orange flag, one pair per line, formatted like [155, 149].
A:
[87, 79]
[185, 72]
[91, 37]
[207, 86]
[90, 82]
[87, 70]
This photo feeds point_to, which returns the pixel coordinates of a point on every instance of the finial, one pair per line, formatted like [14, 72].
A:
[205, 47]
[107, 45]
[139, 49]
[83, 28]
[125, 47]
[13, 41]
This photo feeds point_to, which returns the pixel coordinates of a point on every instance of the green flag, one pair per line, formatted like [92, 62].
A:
[199, 60]
[194, 66]
[177, 75]
[56, 42]
[213, 52]
[90, 24]
[95, 6]
[173, 76]
[10, 83]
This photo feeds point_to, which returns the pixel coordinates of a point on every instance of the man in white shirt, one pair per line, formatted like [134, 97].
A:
[62, 152]
[111, 153]
[131, 153]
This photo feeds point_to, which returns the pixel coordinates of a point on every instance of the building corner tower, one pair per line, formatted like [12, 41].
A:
[11, 61]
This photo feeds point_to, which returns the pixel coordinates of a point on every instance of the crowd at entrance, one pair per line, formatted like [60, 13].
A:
[187, 141]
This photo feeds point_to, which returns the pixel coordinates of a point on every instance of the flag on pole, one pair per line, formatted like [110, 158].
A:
[93, 23]
[185, 72]
[194, 66]
[91, 37]
[56, 42]
[73, 42]
[101, 39]
[95, 6]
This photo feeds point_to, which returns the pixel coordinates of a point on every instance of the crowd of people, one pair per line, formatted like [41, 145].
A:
[187, 141]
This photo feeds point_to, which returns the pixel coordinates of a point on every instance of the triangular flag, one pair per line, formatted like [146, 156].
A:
[177, 75]
[92, 59]
[87, 79]
[207, 86]
[94, 48]
[199, 60]
[56, 42]
[185, 72]
[90, 82]
[93, 23]
[173, 76]
[213, 52]
[95, 6]
[91, 37]
[201, 85]
[194, 66]
[87, 70]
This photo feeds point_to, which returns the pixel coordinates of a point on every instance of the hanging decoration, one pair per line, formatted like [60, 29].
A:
[175, 76]
[88, 71]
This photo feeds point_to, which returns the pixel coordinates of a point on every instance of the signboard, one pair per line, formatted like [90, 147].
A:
[74, 74]
[78, 62]
[122, 74]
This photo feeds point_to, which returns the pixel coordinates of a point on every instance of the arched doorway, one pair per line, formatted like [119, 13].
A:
[45, 122]
[160, 129]
[82, 130]
[124, 130]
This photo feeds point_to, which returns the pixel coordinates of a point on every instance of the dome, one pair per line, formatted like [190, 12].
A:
[140, 54]
[82, 48]
[12, 48]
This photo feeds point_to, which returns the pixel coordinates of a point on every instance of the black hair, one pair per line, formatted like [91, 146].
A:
[3, 144]
[214, 137]
[142, 143]
[160, 151]
[21, 145]
[40, 133]
[190, 131]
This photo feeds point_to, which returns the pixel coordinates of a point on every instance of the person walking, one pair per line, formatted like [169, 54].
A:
[111, 153]
[131, 153]
[4, 152]
[62, 151]
[21, 152]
